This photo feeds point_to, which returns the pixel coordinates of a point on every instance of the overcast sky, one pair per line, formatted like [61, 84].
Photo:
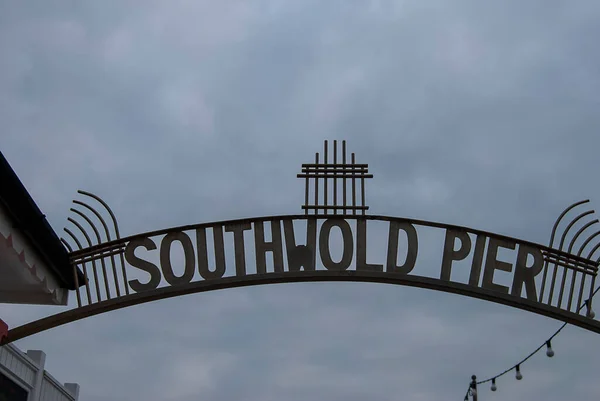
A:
[484, 114]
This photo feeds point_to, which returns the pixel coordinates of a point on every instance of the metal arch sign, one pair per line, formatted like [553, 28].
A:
[329, 242]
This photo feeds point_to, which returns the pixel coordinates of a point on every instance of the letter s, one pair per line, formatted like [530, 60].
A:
[142, 264]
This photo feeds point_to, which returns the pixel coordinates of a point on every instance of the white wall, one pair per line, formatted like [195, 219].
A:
[27, 370]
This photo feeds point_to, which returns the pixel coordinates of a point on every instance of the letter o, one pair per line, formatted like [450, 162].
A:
[189, 257]
[348, 244]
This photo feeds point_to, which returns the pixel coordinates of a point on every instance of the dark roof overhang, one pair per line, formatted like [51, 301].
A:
[28, 218]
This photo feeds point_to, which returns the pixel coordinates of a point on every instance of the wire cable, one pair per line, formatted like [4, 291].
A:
[534, 352]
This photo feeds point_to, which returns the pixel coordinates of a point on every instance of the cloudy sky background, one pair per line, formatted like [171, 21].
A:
[483, 114]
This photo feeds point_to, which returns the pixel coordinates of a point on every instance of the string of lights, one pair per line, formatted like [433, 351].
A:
[472, 390]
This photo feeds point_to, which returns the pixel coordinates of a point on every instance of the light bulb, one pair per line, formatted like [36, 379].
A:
[518, 376]
[549, 350]
[591, 314]
[494, 388]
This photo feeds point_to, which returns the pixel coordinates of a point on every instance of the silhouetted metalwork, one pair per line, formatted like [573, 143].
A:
[108, 263]
[116, 227]
[279, 275]
[326, 172]
[554, 265]
[294, 262]
[94, 267]
[83, 267]
[98, 239]
[108, 238]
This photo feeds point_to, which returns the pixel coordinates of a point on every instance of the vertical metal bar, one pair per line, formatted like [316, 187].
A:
[77, 284]
[113, 264]
[581, 288]
[552, 283]
[316, 183]
[325, 179]
[87, 283]
[335, 176]
[544, 277]
[83, 267]
[74, 273]
[306, 184]
[573, 279]
[106, 285]
[362, 191]
[353, 185]
[344, 179]
[591, 292]
[124, 272]
[563, 283]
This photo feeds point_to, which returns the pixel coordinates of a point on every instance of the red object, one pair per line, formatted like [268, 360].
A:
[3, 330]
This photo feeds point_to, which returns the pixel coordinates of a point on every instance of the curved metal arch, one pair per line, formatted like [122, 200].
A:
[108, 209]
[557, 256]
[562, 215]
[115, 244]
[586, 242]
[74, 238]
[297, 277]
[67, 245]
[594, 249]
[98, 216]
[578, 233]
[571, 224]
